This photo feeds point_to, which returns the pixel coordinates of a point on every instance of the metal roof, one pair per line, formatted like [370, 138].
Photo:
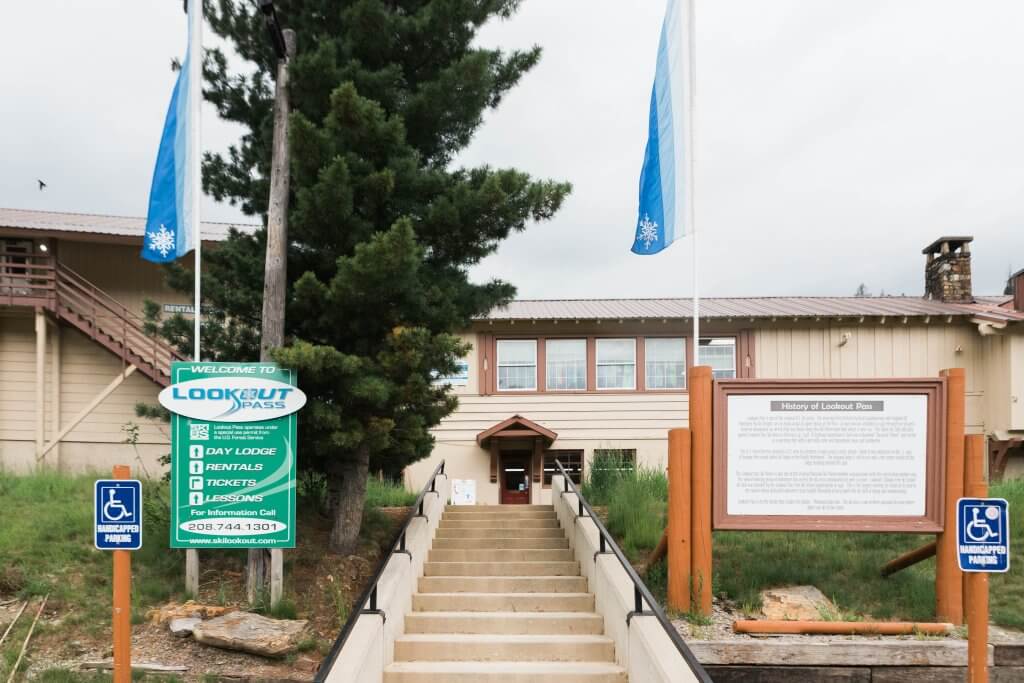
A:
[58, 221]
[989, 308]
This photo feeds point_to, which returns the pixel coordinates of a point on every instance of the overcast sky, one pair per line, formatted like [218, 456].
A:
[835, 138]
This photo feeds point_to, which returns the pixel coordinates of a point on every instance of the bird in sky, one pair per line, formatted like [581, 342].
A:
[42, 185]
[175, 64]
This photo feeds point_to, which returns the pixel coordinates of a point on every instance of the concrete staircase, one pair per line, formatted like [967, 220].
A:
[502, 601]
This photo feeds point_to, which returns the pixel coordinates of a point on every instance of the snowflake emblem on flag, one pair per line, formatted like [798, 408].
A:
[162, 240]
[648, 231]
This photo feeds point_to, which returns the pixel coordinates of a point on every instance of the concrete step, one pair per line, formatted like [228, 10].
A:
[503, 584]
[517, 514]
[501, 543]
[501, 568]
[503, 532]
[504, 672]
[495, 508]
[503, 602]
[515, 555]
[426, 647]
[526, 523]
[537, 623]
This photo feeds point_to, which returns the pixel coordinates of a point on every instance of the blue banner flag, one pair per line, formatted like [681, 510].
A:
[664, 214]
[172, 208]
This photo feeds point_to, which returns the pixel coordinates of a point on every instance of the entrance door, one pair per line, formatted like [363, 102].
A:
[515, 478]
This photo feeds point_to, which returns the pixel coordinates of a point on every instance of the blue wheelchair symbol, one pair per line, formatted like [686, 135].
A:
[983, 524]
[118, 514]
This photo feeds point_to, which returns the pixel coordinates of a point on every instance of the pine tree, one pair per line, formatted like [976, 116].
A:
[382, 227]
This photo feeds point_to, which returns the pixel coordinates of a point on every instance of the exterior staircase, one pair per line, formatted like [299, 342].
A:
[41, 281]
[502, 601]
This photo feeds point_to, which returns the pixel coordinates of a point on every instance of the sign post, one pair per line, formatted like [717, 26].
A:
[233, 441]
[983, 547]
[117, 513]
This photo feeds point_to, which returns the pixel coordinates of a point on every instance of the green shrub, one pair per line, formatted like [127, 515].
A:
[606, 471]
[636, 510]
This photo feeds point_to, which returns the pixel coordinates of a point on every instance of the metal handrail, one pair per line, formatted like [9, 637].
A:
[370, 593]
[640, 591]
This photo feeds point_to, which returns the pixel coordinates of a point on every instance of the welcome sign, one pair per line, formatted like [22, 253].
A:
[233, 441]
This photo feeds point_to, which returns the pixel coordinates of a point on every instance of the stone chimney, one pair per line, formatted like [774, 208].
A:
[947, 275]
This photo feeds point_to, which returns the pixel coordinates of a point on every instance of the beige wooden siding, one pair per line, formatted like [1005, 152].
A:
[18, 376]
[872, 350]
[87, 368]
[120, 272]
[583, 417]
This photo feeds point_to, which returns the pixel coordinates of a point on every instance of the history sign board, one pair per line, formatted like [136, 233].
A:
[233, 441]
[829, 455]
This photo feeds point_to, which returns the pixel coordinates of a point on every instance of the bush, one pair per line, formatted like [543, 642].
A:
[636, 499]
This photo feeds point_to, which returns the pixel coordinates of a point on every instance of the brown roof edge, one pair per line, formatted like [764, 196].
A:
[953, 240]
[517, 420]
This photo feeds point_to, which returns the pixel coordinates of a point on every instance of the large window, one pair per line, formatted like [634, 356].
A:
[666, 363]
[616, 364]
[517, 364]
[572, 461]
[566, 364]
[720, 354]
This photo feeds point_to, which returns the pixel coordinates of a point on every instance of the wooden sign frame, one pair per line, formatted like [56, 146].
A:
[935, 455]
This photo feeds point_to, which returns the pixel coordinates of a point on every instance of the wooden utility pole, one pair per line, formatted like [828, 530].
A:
[264, 564]
[701, 381]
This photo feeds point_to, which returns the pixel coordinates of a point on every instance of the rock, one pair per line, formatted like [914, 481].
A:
[252, 633]
[183, 626]
[797, 603]
[172, 610]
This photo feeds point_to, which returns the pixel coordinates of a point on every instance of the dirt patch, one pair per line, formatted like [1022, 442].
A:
[319, 587]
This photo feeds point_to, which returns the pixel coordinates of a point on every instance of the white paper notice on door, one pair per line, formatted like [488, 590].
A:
[827, 455]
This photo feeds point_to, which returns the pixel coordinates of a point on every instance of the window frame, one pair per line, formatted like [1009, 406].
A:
[536, 364]
[597, 364]
[545, 480]
[687, 364]
[735, 353]
[586, 364]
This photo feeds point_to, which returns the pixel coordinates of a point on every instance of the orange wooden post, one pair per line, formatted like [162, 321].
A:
[679, 519]
[976, 583]
[700, 467]
[122, 619]
[948, 577]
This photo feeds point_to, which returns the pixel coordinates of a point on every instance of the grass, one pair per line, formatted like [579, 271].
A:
[381, 493]
[844, 566]
[636, 499]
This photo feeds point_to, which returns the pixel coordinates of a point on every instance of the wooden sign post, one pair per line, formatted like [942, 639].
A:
[122, 617]
[975, 583]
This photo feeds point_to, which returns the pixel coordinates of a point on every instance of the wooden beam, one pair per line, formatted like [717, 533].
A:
[40, 395]
[100, 397]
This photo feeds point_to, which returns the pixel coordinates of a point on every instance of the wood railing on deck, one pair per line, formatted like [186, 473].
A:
[39, 280]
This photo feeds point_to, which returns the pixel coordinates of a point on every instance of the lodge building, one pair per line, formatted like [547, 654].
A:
[544, 379]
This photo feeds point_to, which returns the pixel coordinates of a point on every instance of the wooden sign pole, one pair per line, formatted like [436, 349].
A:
[122, 617]
[948, 577]
[976, 583]
[700, 520]
[679, 546]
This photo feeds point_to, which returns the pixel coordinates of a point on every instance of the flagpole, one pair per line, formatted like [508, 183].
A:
[691, 43]
[195, 82]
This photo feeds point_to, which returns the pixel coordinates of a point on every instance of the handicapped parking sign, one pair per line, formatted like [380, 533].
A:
[983, 534]
[117, 513]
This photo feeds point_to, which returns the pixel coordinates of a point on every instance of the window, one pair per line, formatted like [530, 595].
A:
[572, 461]
[566, 364]
[616, 364]
[666, 363]
[517, 364]
[614, 459]
[720, 354]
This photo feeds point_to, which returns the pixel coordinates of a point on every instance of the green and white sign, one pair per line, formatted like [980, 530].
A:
[233, 443]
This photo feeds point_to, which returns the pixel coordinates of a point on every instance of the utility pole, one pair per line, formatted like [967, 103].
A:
[264, 564]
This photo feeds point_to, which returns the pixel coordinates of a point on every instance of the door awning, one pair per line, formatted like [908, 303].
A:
[516, 427]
